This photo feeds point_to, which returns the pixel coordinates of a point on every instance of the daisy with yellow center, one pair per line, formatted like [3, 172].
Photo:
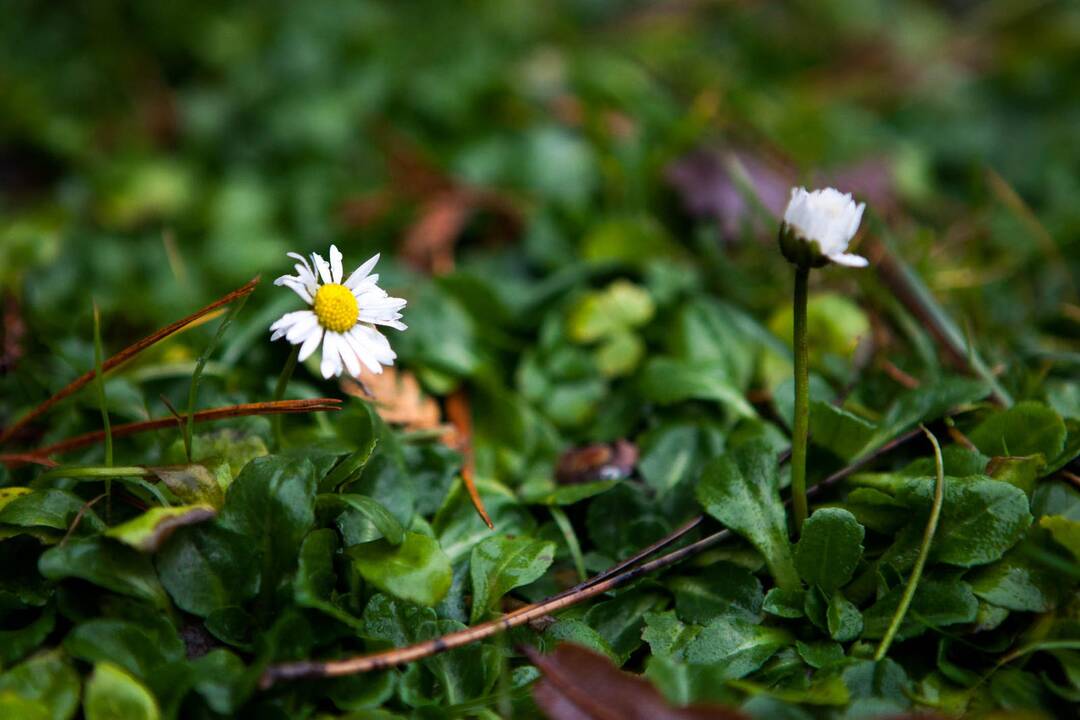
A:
[342, 315]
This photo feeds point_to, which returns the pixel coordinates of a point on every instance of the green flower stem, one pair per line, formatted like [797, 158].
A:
[924, 551]
[801, 425]
[567, 529]
[279, 392]
[99, 355]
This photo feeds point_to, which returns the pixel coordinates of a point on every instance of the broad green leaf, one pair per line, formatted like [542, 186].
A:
[926, 403]
[844, 620]
[315, 577]
[981, 517]
[143, 648]
[149, 531]
[207, 568]
[740, 490]
[620, 620]
[500, 564]
[222, 680]
[1065, 531]
[7, 494]
[603, 313]
[834, 325]
[393, 623]
[667, 635]
[706, 329]
[272, 504]
[667, 381]
[737, 647]
[820, 654]
[112, 694]
[673, 454]
[1018, 583]
[48, 508]
[379, 516]
[1027, 428]
[784, 603]
[722, 589]
[840, 432]
[830, 548]
[579, 632]
[544, 491]
[110, 565]
[45, 685]
[937, 603]
[18, 642]
[459, 527]
[417, 570]
[193, 484]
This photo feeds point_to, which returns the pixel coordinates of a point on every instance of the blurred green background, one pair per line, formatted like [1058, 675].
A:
[155, 154]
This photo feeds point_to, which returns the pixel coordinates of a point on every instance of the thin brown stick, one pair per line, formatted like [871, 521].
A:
[79, 516]
[457, 411]
[123, 356]
[275, 407]
[619, 575]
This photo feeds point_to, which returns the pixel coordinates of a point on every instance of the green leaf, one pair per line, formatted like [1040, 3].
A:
[604, 313]
[926, 403]
[45, 685]
[838, 431]
[784, 603]
[387, 525]
[980, 519]
[1018, 583]
[1027, 428]
[18, 642]
[844, 620]
[272, 504]
[207, 568]
[737, 647]
[673, 455]
[49, 508]
[315, 579]
[620, 620]
[500, 564]
[417, 570]
[937, 603]
[143, 648]
[1065, 531]
[722, 589]
[820, 654]
[149, 531]
[193, 484]
[111, 565]
[667, 381]
[112, 694]
[830, 548]
[740, 490]
[459, 527]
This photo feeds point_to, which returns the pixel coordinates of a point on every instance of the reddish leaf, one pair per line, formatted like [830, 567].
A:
[580, 684]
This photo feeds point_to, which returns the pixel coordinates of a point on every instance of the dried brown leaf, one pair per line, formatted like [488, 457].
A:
[602, 461]
[580, 684]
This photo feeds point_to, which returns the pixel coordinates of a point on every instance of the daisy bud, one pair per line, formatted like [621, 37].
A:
[818, 226]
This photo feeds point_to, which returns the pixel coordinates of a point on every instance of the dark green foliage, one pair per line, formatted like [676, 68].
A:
[579, 201]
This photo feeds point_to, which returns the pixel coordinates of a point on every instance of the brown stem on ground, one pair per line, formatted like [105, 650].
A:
[123, 356]
[457, 411]
[276, 407]
[623, 573]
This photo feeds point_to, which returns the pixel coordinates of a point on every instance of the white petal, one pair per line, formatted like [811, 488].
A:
[302, 327]
[323, 267]
[362, 272]
[289, 319]
[331, 360]
[335, 264]
[849, 260]
[349, 355]
[367, 355]
[296, 285]
[311, 343]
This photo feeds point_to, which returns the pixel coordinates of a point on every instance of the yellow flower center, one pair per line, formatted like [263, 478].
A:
[336, 307]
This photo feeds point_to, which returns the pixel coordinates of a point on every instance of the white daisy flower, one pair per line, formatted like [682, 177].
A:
[342, 315]
[825, 218]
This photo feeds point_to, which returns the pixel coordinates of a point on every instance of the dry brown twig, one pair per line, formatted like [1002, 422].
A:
[621, 574]
[123, 356]
[274, 407]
